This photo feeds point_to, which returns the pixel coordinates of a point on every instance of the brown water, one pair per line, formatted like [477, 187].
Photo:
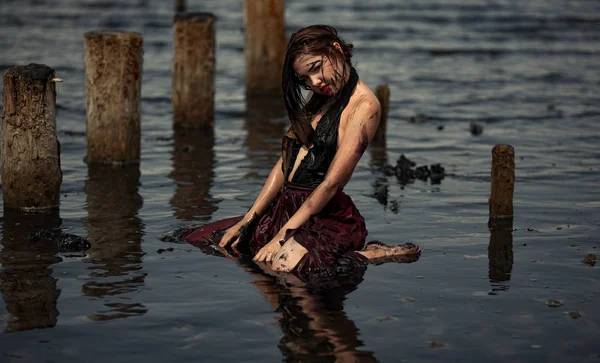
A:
[528, 72]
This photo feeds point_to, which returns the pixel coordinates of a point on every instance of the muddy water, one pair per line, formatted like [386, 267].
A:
[527, 72]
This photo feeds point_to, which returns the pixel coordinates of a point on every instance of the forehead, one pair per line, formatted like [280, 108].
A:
[304, 61]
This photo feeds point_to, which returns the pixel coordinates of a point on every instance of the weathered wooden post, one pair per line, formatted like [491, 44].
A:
[503, 182]
[193, 83]
[31, 174]
[113, 79]
[383, 95]
[180, 6]
[265, 45]
[500, 249]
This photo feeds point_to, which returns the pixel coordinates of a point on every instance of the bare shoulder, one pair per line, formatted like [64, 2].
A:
[363, 110]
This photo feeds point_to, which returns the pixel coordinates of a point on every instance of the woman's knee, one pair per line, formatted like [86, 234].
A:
[288, 256]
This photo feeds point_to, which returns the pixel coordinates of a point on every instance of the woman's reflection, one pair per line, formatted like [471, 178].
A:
[314, 324]
[115, 231]
[193, 163]
[26, 281]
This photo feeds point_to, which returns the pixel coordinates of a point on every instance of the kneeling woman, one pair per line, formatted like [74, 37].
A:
[302, 220]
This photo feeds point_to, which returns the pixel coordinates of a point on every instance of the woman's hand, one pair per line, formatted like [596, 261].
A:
[268, 251]
[232, 236]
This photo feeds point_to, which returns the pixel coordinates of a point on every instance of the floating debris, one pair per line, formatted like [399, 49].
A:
[407, 172]
[65, 242]
[385, 318]
[554, 303]
[475, 129]
[394, 207]
[590, 259]
[434, 345]
[161, 250]
[574, 314]
[177, 235]
[418, 119]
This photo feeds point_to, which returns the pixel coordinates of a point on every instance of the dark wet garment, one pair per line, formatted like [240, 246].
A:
[311, 170]
[331, 236]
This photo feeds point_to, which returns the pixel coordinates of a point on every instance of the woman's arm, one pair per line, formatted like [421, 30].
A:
[354, 140]
[267, 194]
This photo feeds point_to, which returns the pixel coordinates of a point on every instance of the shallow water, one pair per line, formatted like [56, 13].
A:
[528, 72]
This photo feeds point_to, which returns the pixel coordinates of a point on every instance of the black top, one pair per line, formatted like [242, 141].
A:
[315, 164]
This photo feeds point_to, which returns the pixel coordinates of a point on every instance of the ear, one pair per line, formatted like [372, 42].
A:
[337, 46]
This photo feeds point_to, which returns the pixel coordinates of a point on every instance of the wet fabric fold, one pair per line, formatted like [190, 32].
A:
[331, 236]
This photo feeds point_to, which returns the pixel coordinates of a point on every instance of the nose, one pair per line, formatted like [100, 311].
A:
[315, 80]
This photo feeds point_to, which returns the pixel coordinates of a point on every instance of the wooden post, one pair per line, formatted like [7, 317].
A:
[383, 95]
[31, 174]
[180, 6]
[265, 45]
[113, 79]
[503, 182]
[193, 83]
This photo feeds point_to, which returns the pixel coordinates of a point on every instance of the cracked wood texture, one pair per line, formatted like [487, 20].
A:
[193, 82]
[113, 78]
[31, 174]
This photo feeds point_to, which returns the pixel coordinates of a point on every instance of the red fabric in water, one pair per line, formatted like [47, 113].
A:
[332, 234]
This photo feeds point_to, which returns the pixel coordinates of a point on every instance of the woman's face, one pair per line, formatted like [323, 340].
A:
[318, 73]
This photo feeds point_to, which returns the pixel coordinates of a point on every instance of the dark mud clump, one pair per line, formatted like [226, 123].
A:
[590, 259]
[65, 242]
[475, 129]
[177, 235]
[407, 171]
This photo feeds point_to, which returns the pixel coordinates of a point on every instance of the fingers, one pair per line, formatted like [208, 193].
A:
[265, 254]
[235, 243]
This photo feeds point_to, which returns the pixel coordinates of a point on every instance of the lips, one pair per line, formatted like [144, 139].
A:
[325, 89]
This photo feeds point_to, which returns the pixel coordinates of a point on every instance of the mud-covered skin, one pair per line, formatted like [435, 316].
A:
[65, 242]
[247, 229]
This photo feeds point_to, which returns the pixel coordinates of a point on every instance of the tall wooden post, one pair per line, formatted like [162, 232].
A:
[193, 83]
[503, 182]
[113, 79]
[265, 45]
[31, 174]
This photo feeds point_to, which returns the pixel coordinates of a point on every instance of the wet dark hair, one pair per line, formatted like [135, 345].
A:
[313, 40]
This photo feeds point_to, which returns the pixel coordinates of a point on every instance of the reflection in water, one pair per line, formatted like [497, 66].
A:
[26, 281]
[500, 253]
[314, 325]
[193, 163]
[379, 159]
[115, 231]
[266, 123]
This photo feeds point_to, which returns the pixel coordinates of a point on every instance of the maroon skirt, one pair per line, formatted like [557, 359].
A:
[331, 236]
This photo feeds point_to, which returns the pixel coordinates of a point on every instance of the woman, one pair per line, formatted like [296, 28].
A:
[302, 220]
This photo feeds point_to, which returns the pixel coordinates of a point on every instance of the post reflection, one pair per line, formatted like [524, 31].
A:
[193, 163]
[266, 122]
[115, 231]
[500, 253]
[28, 288]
